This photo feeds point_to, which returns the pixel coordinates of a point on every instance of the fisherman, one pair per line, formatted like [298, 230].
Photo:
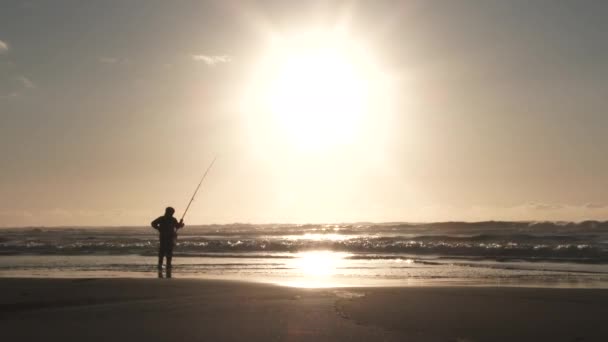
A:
[167, 227]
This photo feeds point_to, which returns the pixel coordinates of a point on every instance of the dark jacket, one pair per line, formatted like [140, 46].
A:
[167, 226]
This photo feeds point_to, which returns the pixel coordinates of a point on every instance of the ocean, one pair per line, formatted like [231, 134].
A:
[543, 254]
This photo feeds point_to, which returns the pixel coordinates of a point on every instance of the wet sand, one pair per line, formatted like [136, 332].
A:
[207, 310]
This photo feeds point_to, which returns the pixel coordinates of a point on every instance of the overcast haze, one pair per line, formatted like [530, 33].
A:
[111, 110]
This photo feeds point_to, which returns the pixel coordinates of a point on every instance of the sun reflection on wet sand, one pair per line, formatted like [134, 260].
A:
[316, 269]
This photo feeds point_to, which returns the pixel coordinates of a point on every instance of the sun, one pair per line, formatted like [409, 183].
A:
[318, 97]
[317, 88]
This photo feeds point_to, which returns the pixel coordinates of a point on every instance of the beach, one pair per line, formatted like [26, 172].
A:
[321, 255]
[383, 170]
[95, 309]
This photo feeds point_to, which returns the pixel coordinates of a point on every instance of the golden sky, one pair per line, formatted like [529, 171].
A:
[321, 111]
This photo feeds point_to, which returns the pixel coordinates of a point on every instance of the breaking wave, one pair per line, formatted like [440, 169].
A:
[554, 241]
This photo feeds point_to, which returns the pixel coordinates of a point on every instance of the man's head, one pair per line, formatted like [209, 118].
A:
[169, 211]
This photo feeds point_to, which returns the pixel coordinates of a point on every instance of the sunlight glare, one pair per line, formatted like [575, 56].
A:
[318, 97]
[318, 263]
[315, 90]
[321, 237]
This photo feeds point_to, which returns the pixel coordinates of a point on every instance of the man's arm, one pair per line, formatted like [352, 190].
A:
[156, 223]
[180, 224]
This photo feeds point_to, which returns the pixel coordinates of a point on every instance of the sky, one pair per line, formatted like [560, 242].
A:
[447, 110]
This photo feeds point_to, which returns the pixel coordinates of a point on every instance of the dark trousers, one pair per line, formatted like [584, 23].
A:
[165, 249]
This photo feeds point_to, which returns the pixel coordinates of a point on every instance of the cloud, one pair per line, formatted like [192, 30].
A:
[26, 82]
[3, 47]
[21, 83]
[212, 60]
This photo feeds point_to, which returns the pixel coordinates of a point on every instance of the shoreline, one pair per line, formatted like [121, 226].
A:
[319, 269]
[194, 309]
[300, 283]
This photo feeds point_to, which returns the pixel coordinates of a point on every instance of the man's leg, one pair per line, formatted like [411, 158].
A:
[169, 258]
[161, 254]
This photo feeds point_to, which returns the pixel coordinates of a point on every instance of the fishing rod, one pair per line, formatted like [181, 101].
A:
[198, 187]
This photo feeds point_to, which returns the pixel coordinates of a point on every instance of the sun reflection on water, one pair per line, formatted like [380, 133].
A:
[322, 237]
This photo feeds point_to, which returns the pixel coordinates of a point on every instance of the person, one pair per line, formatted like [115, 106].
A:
[167, 227]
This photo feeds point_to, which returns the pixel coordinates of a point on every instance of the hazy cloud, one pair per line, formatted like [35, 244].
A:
[3, 47]
[71, 217]
[595, 206]
[212, 60]
[26, 82]
[10, 95]
[531, 211]
[545, 206]
[59, 212]
[15, 213]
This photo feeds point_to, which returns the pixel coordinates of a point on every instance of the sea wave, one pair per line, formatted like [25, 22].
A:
[587, 243]
[244, 229]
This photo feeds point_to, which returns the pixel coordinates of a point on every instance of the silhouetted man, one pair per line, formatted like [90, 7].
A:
[167, 227]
